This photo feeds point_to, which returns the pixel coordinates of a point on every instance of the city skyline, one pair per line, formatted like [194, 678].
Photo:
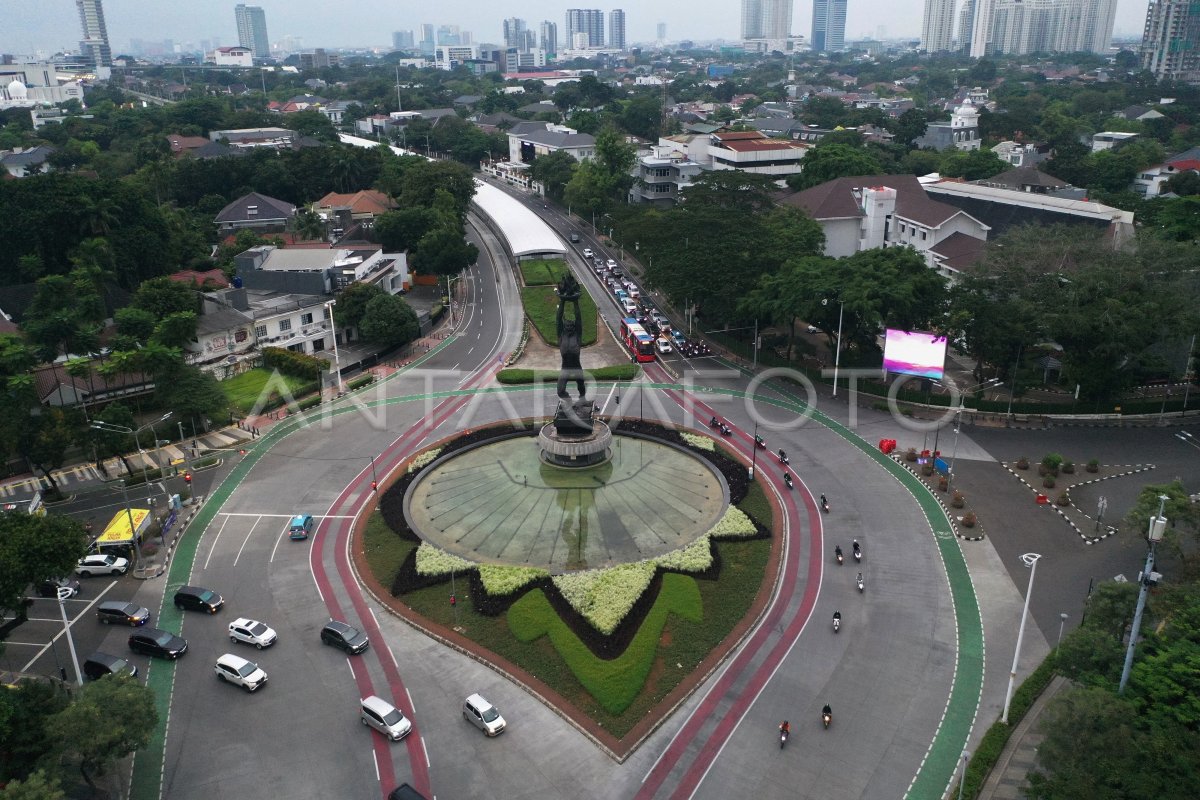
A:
[54, 25]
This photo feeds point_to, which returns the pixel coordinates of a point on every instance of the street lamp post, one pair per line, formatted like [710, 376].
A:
[962, 779]
[1013, 391]
[337, 361]
[63, 594]
[837, 345]
[754, 451]
[1030, 560]
[1158, 526]
[100, 425]
[1062, 623]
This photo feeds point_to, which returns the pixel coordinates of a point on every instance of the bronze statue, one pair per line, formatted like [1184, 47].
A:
[574, 417]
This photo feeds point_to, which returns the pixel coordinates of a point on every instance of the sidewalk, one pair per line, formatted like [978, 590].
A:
[1007, 780]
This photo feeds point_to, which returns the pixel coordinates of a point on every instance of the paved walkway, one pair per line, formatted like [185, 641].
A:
[1008, 779]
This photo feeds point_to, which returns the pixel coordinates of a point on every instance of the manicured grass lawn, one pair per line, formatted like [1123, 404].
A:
[543, 272]
[383, 549]
[541, 306]
[618, 372]
[245, 390]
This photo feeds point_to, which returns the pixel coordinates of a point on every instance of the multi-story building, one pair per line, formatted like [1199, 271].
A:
[1171, 41]
[586, 20]
[449, 56]
[616, 29]
[403, 40]
[661, 32]
[532, 139]
[319, 59]
[966, 25]
[252, 29]
[428, 41]
[235, 56]
[1062, 26]
[514, 32]
[661, 175]
[937, 29]
[549, 38]
[94, 44]
[960, 133]
[751, 151]
[766, 19]
[829, 26]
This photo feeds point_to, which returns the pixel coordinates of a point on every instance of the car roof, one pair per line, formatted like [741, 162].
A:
[235, 661]
[300, 518]
[339, 626]
[104, 658]
[377, 704]
[120, 605]
[479, 701]
[244, 622]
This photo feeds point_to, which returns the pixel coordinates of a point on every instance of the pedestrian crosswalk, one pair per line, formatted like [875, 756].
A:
[64, 477]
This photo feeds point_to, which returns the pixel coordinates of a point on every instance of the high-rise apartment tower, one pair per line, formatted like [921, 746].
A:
[937, 29]
[616, 29]
[94, 44]
[252, 29]
[549, 38]
[829, 26]
[586, 20]
[1171, 41]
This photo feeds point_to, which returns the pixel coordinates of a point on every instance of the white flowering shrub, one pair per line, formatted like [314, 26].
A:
[424, 459]
[432, 561]
[499, 580]
[696, 557]
[605, 596]
[699, 442]
[735, 524]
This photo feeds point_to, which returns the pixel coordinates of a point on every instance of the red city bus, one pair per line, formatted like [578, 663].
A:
[640, 343]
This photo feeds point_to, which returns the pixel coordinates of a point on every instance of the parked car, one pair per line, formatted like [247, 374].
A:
[813, 329]
[344, 637]
[101, 564]
[158, 643]
[384, 717]
[587, 252]
[197, 598]
[483, 715]
[240, 672]
[119, 612]
[301, 527]
[251, 631]
[50, 588]
[100, 664]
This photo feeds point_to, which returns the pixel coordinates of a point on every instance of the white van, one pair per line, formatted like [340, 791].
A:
[384, 717]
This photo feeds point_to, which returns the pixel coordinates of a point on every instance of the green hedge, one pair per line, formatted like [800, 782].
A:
[207, 461]
[984, 759]
[541, 306]
[543, 272]
[295, 364]
[360, 381]
[308, 402]
[135, 478]
[618, 372]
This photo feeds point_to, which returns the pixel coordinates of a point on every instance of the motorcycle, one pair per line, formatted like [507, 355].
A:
[787, 478]
[824, 504]
[726, 430]
[827, 717]
[857, 551]
[837, 621]
[759, 442]
[837, 553]
[860, 582]
[714, 423]
[783, 736]
[783, 459]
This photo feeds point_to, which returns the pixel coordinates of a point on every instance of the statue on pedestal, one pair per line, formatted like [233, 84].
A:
[574, 417]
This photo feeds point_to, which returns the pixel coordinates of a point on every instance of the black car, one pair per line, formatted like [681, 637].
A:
[158, 643]
[405, 792]
[121, 613]
[50, 588]
[100, 664]
[344, 637]
[197, 598]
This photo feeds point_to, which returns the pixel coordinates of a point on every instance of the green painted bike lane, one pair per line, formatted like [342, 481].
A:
[938, 767]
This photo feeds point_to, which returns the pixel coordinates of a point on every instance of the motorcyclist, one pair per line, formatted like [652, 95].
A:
[785, 727]
[837, 615]
[824, 502]
[857, 549]
[713, 423]
[782, 455]
[827, 711]
[837, 551]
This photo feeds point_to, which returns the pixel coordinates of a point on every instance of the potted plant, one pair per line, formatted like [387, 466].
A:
[1052, 461]
[1048, 482]
[1093, 465]
[927, 470]
[1022, 463]
[943, 483]
[1068, 467]
[969, 520]
[911, 454]
[958, 500]
[1064, 498]
[1043, 470]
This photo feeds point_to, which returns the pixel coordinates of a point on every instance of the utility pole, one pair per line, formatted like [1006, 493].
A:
[1158, 526]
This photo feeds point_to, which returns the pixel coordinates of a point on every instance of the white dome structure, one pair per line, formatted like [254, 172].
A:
[17, 91]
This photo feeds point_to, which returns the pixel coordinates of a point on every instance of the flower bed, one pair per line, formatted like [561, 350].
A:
[604, 596]
[699, 442]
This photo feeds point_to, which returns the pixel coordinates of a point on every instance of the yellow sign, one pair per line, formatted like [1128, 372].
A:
[118, 531]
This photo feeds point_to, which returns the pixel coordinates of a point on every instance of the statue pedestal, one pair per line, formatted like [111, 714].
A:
[575, 450]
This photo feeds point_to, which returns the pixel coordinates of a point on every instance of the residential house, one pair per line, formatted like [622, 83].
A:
[1152, 181]
[661, 175]
[247, 138]
[232, 57]
[491, 123]
[960, 133]
[865, 212]
[1022, 154]
[1139, 113]
[1033, 180]
[342, 212]
[335, 110]
[181, 144]
[751, 151]
[21, 162]
[208, 279]
[256, 212]
[1110, 140]
[321, 271]
[525, 145]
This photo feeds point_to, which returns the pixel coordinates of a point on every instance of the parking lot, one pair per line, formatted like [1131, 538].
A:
[39, 646]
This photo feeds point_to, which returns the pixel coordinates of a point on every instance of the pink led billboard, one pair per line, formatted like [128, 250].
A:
[915, 353]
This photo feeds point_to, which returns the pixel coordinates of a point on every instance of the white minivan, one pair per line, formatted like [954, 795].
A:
[385, 718]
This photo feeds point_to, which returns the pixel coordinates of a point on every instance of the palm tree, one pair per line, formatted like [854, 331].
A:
[308, 225]
[77, 368]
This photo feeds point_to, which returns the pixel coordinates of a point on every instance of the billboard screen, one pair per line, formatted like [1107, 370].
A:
[915, 353]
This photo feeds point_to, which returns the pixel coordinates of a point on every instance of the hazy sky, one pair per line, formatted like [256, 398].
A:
[52, 25]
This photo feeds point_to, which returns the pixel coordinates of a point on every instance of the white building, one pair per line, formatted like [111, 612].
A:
[526, 145]
[1110, 140]
[30, 85]
[236, 56]
[960, 133]
[449, 56]
[937, 29]
[661, 175]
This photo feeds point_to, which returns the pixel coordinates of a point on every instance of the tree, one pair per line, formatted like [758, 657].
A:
[34, 549]
[972, 165]
[136, 323]
[308, 225]
[642, 115]
[389, 321]
[443, 251]
[554, 171]
[176, 329]
[25, 745]
[45, 438]
[189, 391]
[163, 296]
[1184, 183]
[38, 786]
[110, 719]
[829, 162]
[352, 302]
[909, 126]
[1178, 508]
[399, 231]
[423, 179]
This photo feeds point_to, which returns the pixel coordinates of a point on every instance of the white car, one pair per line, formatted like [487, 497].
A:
[240, 672]
[101, 564]
[483, 715]
[251, 631]
[587, 252]
[384, 717]
[611, 264]
[663, 344]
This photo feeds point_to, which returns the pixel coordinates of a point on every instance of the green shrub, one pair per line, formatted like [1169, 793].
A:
[618, 372]
[433, 561]
[756, 505]
[360, 381]
[137, 478]
[604, 596]
[308, 402]
[696, 557]
[734, 525]
[612, 683]
[298, 365]
[1052, 461]
[501, 580]
[207, 461]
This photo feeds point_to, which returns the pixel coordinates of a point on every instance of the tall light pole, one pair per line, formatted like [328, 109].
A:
[1013, 391]
[962, 779]
[837, 347]
[1030, 560]
[754, 451]
[337, 361]
[101, 425]
[1158, 526]
[1062, 623]
[63, 594]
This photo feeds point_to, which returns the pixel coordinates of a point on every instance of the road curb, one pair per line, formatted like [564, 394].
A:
[1109, 531]
[954, 520]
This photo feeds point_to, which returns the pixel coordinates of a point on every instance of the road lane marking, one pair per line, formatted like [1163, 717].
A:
[216, 539]
[70, 623]
[244, 541]
[375, 761]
